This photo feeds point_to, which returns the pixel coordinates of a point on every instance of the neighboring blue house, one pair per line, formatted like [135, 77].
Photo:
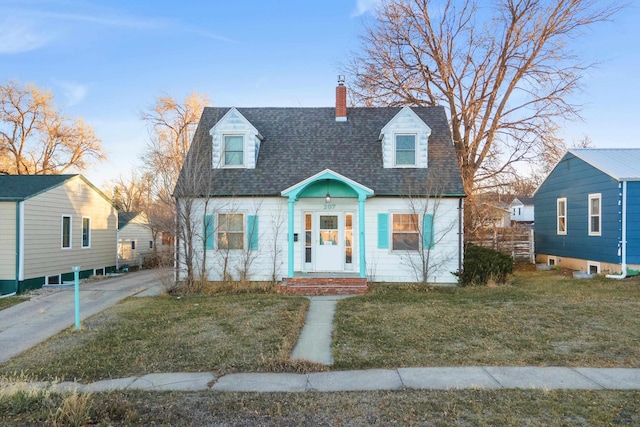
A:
[587, 211]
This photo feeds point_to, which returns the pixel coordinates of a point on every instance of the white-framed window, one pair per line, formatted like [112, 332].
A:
[233, 150]
[66, 232]
[561, 205]
[230, 231]
[86, 232]
[595, 214]
[405, 149]
[405, 235]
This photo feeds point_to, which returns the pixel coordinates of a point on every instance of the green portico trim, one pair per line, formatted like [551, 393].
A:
[353, 189]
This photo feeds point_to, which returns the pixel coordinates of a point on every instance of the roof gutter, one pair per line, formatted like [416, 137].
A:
[624, 236]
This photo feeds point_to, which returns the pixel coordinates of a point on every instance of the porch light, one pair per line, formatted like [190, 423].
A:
[327, 198]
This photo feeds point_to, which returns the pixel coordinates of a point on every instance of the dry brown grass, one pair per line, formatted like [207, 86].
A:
[222, 333]
[540, 318]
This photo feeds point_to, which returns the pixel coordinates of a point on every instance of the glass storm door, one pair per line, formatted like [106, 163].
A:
[329, 247]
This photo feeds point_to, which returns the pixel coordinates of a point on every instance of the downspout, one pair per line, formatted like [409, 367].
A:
[18, 225]
[460, 235]
[624, 236]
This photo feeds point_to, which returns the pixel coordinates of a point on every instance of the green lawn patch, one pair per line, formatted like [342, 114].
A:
[540, 319]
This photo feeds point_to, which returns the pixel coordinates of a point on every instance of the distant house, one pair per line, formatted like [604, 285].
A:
[331, 193]
[522, 210]
[135, 239]
[49, 223]
[587, 211]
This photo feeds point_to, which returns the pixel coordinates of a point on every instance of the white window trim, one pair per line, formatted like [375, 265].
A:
[62, 232]
[218, 231]
[566, 223]
[223, 157]
[419, 232]
[415, 150]
[595, 196]
[82, 242]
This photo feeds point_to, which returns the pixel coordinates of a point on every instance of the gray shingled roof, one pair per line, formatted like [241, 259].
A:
[300, 142]
[21, 187]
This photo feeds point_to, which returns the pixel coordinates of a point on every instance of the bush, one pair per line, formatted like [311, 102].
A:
[483, 264]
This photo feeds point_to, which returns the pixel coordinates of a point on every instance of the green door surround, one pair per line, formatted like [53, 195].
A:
[313, 187]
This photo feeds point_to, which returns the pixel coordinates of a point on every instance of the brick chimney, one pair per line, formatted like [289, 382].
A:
[341, 100]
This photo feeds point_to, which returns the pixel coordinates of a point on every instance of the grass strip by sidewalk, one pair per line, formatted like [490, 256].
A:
[407, 407]
[540, 319]
[222, 333]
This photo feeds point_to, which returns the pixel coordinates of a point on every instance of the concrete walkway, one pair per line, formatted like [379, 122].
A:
[24, 325]
[441, 378]
[314, 342]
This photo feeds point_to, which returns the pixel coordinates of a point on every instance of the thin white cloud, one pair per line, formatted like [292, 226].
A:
[364, 6]
[20, 35]
[74, 93]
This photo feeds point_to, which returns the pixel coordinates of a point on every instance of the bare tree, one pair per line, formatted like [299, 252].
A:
[35, 138]
[505, 72]
[278, 220]
[171, 127]
[433, 227]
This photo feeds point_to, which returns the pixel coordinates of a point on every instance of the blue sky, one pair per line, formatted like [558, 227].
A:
[108, 60]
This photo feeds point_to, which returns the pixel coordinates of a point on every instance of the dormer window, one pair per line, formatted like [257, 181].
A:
[405, 149]
[233, 150]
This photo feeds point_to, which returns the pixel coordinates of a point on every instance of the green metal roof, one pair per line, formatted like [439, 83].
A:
[22, 187]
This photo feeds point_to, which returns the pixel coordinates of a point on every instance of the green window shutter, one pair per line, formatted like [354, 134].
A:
[209, 229]
[383, 231]
[427, 231]
[252, 232]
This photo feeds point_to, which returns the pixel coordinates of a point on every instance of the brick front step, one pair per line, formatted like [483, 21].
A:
[323, 286]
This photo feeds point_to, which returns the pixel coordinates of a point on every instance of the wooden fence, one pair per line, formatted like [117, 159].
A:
[518, 243]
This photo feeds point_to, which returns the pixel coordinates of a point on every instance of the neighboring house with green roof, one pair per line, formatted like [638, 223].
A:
[49, 223]
[135, 240]
[284, 193]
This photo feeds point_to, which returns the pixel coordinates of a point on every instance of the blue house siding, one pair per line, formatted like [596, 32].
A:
[574, 179]
[633, 222]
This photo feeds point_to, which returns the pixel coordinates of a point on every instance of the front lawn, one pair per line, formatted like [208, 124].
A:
[540, 319]
[222, 333]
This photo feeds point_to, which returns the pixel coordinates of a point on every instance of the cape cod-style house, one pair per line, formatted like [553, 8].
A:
[290, 193]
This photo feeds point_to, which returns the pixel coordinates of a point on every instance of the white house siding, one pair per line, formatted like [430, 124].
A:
[43, 253]
[136, 230]
[272, 220]
[386, 265]
[8, 240]
[383, 265]
[406, 121]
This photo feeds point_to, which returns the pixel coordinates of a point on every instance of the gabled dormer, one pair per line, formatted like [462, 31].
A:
[405, 141]
[235, 142]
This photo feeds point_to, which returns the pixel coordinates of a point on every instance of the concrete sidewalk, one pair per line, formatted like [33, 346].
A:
[436, 378]
[24, 325]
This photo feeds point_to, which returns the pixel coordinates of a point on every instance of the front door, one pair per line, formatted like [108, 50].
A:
[329, 247]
